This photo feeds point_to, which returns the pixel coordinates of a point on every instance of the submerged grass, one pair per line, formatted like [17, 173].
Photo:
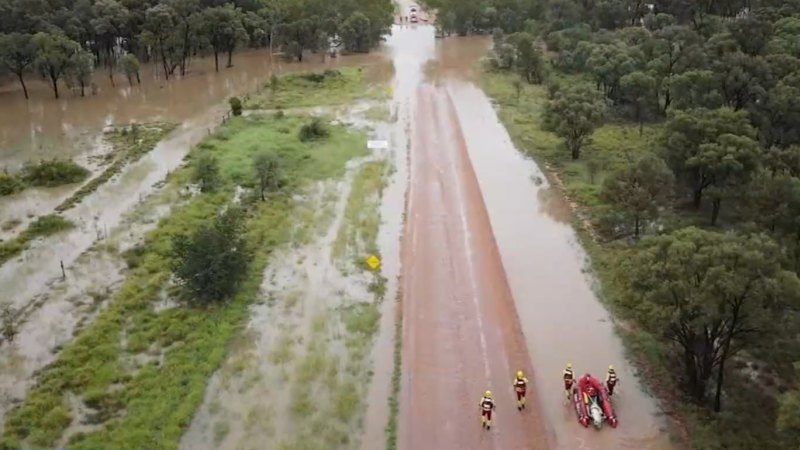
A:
[611, 147]
[397, 369]
[330, 87]
[129, 144]
[41, 227]
[153, 402]
[357, 235]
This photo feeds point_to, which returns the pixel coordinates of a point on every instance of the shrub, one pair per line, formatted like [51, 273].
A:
[53, 172]
[206, 172]
[10, 184]
[236, 106]
[47, 225]
[211, 262]
[316, 129]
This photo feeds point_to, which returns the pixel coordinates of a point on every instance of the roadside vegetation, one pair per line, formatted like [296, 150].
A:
[41, 227]
[329, 87]
[129, 144]
[135, 367]
[45, 173]
[673, 132]
[357, 237]
[67, 44]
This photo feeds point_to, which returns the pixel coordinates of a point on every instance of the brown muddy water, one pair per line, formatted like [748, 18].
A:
[194, 102]
[50, 309]
[45, 127]
[562, 319]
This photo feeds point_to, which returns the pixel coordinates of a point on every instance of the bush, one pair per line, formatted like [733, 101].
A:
[236, 106]
[47, 225]
[211, 262]
[53, 172]
[206, 172]
[10, 184]
[316, 129]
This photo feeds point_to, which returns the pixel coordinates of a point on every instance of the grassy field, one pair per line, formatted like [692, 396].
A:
[331, 87]
[611, 147]
[143, 372]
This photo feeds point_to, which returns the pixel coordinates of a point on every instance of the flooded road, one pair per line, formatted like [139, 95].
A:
[461, 337]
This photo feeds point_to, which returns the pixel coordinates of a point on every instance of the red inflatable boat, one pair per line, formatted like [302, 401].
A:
[592, 404]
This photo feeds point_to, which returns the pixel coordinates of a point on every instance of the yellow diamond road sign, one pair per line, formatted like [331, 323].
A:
[373, 262]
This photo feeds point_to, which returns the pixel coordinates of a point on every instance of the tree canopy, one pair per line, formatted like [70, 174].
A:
[171, 32]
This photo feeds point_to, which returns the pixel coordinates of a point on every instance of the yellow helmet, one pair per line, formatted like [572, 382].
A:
[519, 374]
[610, 367]
[488, 394]
[569, 365]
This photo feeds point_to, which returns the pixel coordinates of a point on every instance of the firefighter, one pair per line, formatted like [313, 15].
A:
[611, 380]
[569, 379]
[520, 384]
[487, 406]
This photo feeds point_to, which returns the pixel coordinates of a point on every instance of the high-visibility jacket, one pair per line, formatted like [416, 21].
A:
[569, 375]
[486, 403]
[611, 377]
[520, 383]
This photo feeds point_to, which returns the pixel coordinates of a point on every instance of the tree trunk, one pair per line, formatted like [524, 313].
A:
[138, 80]
[130, 79]
[636, 226]
[698, 198]
[720, 377]
[715, 205]
[576, 152]
[22, 82]
[54, 81]
[111, 75]
[667, 101]
[83, 88]
[216, 60]
[230, 58]
[185, 50]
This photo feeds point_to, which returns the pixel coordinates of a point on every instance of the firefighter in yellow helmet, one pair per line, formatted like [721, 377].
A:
[487, 406]
[611, 380]
[569, 379]
[520, 384]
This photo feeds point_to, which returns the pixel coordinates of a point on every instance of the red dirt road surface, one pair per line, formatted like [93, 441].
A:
[461, 334]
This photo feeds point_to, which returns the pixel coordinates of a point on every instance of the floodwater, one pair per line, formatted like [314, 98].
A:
[45, 302]
[561, 318]
[193, 101]
[45, 127]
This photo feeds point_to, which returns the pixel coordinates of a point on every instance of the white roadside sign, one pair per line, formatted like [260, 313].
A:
[374, 145]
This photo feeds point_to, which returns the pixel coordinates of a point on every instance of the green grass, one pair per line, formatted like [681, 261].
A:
[397, 369]
[10, 183]
[331, 87]
[613, 145]
[41, 227]
[53, 172]
[358, 233]
[153, 404]
[128, 144]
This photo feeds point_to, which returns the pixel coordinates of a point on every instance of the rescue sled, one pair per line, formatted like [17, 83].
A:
[592, 404]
